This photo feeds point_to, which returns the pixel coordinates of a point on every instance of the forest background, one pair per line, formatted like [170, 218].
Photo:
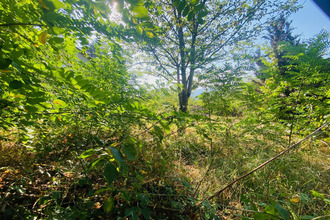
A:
[81, 138]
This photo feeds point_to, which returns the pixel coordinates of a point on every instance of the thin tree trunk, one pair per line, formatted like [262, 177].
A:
[183, 98]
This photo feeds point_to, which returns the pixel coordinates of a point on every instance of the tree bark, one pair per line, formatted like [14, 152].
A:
[183, 98]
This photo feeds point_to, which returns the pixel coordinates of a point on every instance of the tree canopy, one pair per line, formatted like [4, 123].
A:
[194, 37]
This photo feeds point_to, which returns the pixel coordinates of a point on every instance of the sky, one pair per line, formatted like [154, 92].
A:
[309, 20]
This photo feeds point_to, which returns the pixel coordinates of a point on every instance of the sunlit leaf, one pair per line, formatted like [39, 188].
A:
[57, 4]
[140, 11]
[150, 35]
[42, 37]
[87, 153]
[59, 102]
[43, 4]
[295, 199]
[140, 29]
[98, 162]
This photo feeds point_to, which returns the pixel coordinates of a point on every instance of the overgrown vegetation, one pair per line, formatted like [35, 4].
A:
[81, 139]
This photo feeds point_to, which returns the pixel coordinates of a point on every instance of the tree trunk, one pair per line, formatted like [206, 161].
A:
[183, 99]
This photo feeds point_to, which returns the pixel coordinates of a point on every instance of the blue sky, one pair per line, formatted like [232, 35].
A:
[309, 20]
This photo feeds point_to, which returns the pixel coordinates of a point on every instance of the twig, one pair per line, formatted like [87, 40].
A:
[321, 217]
[325, 143]
[262, 165]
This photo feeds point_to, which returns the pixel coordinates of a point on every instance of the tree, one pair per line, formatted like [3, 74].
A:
[39, 41]
[279, 34]
[290, 73]
[193, 36]
[299, 96]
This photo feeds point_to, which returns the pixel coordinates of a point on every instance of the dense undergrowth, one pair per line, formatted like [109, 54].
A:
[52, 176]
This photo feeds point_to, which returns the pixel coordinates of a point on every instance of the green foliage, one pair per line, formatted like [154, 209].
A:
[292, 97]
[225, 91]
[80, 139]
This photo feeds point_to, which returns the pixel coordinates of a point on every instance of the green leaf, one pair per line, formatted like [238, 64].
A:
[4, 63]
[318, 195]
[150, 34]
[191, 16]
[199, 8]
[17, 53]
[283, 212]
[96, 163]
[57, 4]
[176, 2]
[194, 2]
[35, 100]
[57, 40]
[140, 11]
[203, 13]
[87, 153]
[206, 136]
[159, 132]
[110, 173]
[70, 75]
[186, 11]
[16, 84]
[59, 103]
[109, 204]
[98, 140]
[165, 126]
[139, 29]
[261, 216]
[117, 154]
[327, 201]
[145, 212]
[182, 5]
[133, 211]
[129, 150]
[51, 16]
[270, 209]
[31, 109]
[57, 30]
